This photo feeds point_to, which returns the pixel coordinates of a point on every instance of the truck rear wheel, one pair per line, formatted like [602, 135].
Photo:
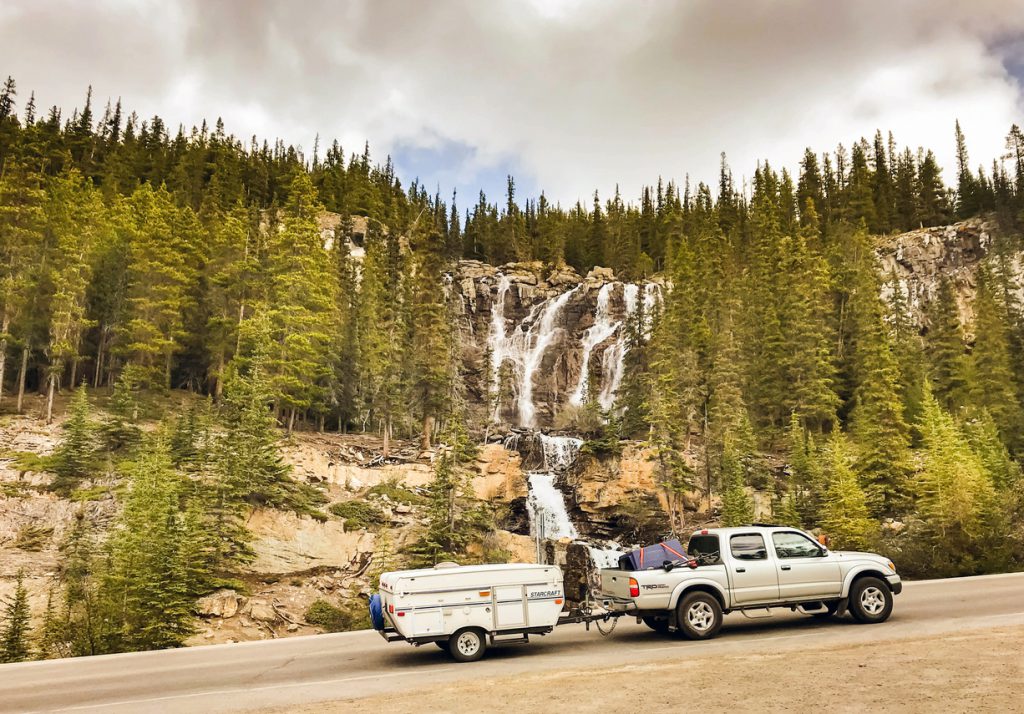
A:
[870, 601]
[467, 645]
[699, 616]
[658, 624]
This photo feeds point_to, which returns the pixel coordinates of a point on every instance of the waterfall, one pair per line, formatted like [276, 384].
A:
[549, 518]
[524, 346]
[613, 359]
[534, 353]
[559, 451]
[597, 333]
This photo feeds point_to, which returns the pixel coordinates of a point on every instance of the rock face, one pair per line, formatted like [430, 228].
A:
[919, 259]
[537, 342]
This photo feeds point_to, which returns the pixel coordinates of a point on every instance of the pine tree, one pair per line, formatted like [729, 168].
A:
[147, 602]
[75, 216]
[429, 319]
[993, 385]
[968, 200]
[944, 346]
[121, 430]
[877, 416]
[162, 246]
[15, 635]
[956, 497]
[76, 457]
[300, 305]
[844, 515]
[737, 504]
[22, 224]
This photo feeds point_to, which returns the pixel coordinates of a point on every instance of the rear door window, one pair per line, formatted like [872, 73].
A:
[705, 549]
[748, 546]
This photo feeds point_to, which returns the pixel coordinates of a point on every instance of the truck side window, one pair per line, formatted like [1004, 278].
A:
[705, 549]
[748, 546]
[795, 545]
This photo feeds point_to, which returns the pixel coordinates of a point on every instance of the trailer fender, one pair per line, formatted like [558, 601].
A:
[700, 584]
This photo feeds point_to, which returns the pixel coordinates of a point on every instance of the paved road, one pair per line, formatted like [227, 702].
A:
[303, 670]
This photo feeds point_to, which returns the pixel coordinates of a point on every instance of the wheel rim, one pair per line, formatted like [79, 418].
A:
[468, 643]
[872, 600]
[700, 616]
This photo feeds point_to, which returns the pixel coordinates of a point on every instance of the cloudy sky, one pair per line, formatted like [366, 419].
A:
[567, 95]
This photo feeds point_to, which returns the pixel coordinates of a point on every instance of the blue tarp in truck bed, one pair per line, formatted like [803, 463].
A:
[653, 556]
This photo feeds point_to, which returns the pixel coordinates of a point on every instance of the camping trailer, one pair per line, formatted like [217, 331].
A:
[463, 608]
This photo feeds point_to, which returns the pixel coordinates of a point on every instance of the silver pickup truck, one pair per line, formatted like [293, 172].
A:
[751, 569]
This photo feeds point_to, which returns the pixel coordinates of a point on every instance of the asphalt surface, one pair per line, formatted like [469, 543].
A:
[305, 670]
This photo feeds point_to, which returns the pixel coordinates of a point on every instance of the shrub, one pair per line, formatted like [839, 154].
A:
[396, 492]
[358, 515]
[349, 614]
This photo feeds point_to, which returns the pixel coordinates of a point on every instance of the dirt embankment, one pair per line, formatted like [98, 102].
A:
[974, 672]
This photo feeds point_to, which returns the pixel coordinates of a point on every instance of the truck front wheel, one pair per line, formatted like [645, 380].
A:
[699, 616]
[870, 601]
[467, 645]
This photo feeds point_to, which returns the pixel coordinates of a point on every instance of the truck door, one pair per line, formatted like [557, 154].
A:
[805, 570]
[754, 576]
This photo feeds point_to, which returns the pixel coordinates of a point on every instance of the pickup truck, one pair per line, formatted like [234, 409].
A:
[752, 569]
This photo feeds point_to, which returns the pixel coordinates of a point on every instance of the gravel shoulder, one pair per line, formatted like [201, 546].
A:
[969, 672]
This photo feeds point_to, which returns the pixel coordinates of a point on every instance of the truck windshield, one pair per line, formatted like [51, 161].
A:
[705, 549]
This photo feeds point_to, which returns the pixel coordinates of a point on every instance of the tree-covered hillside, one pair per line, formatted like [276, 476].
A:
[135, 258]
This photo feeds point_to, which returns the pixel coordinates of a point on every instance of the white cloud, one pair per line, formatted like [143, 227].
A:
[581, 95]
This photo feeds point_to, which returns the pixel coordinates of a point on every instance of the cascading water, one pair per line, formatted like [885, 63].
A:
[559, 451]
[549, 518]
[603, 327]
[545, 334]
[613, 359]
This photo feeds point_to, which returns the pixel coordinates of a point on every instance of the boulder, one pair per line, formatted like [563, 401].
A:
[262, 611]
[222, 603]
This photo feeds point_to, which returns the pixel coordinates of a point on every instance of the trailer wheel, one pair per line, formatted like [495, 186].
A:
[699, 616]
[658, 624]
[467, 645]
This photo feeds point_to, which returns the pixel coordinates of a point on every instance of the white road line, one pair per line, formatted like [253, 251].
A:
[246, 690]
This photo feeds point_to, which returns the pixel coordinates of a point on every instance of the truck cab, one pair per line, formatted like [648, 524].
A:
[748, 568]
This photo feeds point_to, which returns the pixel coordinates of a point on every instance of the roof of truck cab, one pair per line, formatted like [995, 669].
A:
[744, 529]
[468, 569]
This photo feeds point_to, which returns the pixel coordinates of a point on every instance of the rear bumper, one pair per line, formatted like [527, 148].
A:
[895, 584]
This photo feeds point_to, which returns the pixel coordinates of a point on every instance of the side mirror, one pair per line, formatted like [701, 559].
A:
[824, 551]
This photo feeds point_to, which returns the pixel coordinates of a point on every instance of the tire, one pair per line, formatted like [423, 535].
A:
[658, 624]
[870, 601]
[830, 610]
[699, 616]
[467, 645]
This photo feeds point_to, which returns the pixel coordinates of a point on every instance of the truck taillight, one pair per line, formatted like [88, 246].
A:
[634, 588]
[391, 609]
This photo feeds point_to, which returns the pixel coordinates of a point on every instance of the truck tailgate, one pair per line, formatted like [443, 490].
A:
[615, 583]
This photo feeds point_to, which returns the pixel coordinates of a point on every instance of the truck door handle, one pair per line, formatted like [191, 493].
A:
[787, 567]
[741, 570]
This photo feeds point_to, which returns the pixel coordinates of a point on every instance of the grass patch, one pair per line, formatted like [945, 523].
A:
[94, 493]
[358, 514]
[397, 492]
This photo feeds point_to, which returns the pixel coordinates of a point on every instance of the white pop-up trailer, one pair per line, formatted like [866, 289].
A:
[463, 608]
